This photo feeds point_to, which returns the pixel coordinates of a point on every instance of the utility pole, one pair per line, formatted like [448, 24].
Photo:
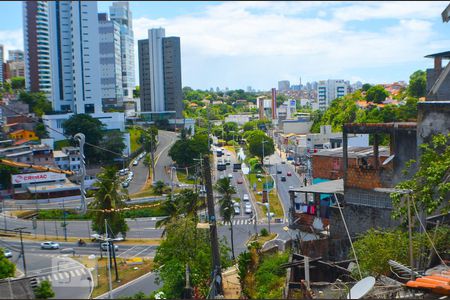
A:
[64, 222]
[152, 153]
[22, 251]
[411, 257]
[212, 225]
[267, 187]
[109, 262]
[82, 172]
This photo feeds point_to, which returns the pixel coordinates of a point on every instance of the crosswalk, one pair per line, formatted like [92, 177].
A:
[239, 222]
[63, 275]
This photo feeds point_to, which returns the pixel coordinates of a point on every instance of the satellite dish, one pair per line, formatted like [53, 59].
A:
[361, 288]
[388, 160]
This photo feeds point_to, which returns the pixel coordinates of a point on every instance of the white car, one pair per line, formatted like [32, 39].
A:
[248, 208]
[135, 162]
[236, 204]
[230, 175]
[7, 253]
[49, 245]
[246, 198]
[237, 210]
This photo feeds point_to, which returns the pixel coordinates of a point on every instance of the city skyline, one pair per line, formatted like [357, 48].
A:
[370, 42]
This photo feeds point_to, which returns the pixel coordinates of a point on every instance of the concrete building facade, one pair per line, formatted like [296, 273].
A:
[2, 50]
[110, 62]
[284, 85]
[328, 90]
[160, 73]
[120, 13]
[36, 37]
[75, 61]
[15, 55]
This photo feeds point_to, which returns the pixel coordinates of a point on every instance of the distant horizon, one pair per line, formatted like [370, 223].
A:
[257, 44]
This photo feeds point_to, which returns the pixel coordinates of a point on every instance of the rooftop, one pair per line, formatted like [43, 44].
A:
[353, 152]
[445, 54]
[327, 187]
[379, 127]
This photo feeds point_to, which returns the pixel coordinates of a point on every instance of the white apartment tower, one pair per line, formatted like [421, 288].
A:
[120, 12]
[2, 50]
[328, 90]
[155, 40]
[75, 61]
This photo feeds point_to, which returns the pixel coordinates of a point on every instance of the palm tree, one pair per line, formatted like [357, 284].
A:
[110, 195]
[172, 208]
[224, 187]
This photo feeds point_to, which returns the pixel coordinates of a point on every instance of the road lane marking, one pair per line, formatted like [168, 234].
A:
[78, 272]
[83, 271]
[72, 273]
[55, 277]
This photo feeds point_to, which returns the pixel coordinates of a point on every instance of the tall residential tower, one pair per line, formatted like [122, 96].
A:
[75, 61]
[160, 73]
[36, 36]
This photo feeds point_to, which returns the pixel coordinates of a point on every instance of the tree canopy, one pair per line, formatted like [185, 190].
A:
[18, 83]
[7, 268]
[376, 94]
[113, 141]
[37, 102]
[109, 195]
[184, 151]
[417, 84]
[255, 140]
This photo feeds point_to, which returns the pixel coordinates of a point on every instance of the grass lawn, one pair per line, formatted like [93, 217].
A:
[182, 177]
[126, 272]
[261, 239]
[275, 205]
[134, 136]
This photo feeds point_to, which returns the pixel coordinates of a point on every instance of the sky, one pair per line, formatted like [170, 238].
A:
[243, 43]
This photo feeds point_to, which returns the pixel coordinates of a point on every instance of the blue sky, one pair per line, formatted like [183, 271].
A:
[240, 44]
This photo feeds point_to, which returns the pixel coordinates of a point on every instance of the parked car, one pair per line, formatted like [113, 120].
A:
[125, 184]
[283, 178]
[135, 162]
[104, 246]
[246, 198]
[248, 208]
[289, 174]
[49, 245]
[7, 253]
[237, 210]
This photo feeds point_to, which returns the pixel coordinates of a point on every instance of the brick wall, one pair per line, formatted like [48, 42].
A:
[327, 167]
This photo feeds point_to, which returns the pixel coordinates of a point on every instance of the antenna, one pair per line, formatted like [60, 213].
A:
[361, 288]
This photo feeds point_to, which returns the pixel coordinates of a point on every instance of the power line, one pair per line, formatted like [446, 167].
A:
[57, 131]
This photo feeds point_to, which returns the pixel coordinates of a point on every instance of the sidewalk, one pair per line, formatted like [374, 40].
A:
[231, 284]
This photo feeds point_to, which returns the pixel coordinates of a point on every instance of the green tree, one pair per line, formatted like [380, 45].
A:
[184, 151]
[44, 290]
[255, 144]
[37, 102]
[186, 245]
[281, 98]
[5, 175]
[430, 178]
[158, 188]
[417, 84]
[227, 190]
[18, 83]
[7, 268]
[92, 128]
[114, 142]
[41, 131]
[376, 94]
[149, 140]
[139, 295]
[270, 276]
[366, 87]
[137, 92]
[108, 197]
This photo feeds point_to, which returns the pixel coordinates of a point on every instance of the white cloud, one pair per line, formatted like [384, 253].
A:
[258, 43]
[11, 40]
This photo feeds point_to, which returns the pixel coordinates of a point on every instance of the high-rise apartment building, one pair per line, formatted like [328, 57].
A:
[120, 13]
[2, 50]
[110, 62]
[36, 36]
[75, 61]
[15, 55]
[284, 85]
[160, 73]
[328, 90]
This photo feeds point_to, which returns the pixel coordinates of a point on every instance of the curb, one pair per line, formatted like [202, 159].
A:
[122, 286]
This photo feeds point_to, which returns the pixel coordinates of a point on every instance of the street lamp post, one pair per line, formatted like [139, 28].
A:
[173, 169]
[22, 251]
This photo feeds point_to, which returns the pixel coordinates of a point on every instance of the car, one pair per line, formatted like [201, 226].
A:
[104, 246]
[125, 184]
[236, 204]
[283, 162]
[237, 210]
[289, 174]
[230, 175]
[7, 253]
[259, 193]
[135, 162]
[283, 178]
[123, 172]
[279, 172]
[246, 198]
[248, 210]
[259, 175]
[291, 187]
[49, 245]
[240, 181]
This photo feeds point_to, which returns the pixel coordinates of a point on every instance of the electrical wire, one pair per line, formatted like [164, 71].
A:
[426, 233]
